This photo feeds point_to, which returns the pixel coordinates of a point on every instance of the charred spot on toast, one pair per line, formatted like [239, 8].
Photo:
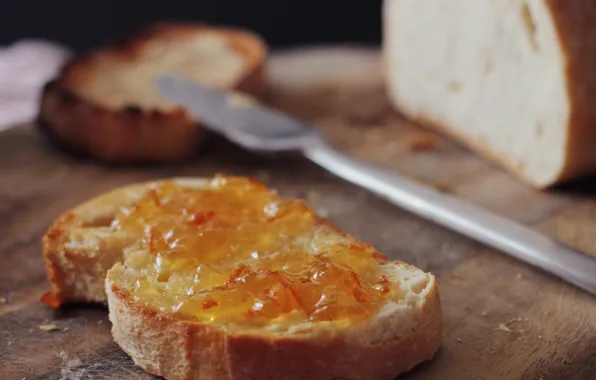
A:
[133, 110]
[68, 97]
[50, 85]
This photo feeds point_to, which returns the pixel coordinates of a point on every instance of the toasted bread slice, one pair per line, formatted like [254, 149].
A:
[243, 285]
[104, 104]
[81, 246]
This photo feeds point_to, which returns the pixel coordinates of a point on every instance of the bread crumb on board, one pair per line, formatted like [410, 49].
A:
[48, 327]
[505, 326]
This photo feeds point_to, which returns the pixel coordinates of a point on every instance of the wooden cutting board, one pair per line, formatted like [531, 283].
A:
[503, 319]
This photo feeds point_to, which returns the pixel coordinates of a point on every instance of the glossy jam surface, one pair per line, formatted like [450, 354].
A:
[235, 252]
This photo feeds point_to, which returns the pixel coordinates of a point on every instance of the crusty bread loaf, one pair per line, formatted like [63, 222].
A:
[104, 104]
[83, 246]
[513, 80]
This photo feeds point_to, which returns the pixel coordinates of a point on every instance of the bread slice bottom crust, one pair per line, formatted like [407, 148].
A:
[378, 349]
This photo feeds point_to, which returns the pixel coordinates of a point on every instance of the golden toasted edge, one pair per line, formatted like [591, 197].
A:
[76, 274]
[175, 349]
[53, 252]
[132, 134]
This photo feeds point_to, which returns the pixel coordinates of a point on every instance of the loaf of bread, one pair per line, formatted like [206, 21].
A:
[513, 80]
[105, 104]
[222, 279]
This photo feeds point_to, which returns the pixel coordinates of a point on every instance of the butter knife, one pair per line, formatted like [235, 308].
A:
[256, 127]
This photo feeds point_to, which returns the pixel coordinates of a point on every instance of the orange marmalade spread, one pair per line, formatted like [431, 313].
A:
[234, 252]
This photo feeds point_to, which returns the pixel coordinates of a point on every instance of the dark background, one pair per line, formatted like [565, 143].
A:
[84, 24]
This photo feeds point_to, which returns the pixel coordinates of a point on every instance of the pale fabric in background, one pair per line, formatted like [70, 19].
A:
[25, 67]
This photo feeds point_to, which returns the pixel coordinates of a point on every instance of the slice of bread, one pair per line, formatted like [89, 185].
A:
[105, 104]
[513, 80]
[254, 316]
[81, 246]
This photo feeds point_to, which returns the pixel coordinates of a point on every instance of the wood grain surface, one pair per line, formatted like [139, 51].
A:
[503, 319]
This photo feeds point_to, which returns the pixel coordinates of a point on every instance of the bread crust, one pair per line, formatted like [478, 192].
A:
[132, 134]
[575, 21]
[62, 265]
[208, 352]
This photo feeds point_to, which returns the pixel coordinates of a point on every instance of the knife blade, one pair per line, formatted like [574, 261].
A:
[254, 126]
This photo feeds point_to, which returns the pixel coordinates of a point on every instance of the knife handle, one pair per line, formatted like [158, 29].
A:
[451, 212]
